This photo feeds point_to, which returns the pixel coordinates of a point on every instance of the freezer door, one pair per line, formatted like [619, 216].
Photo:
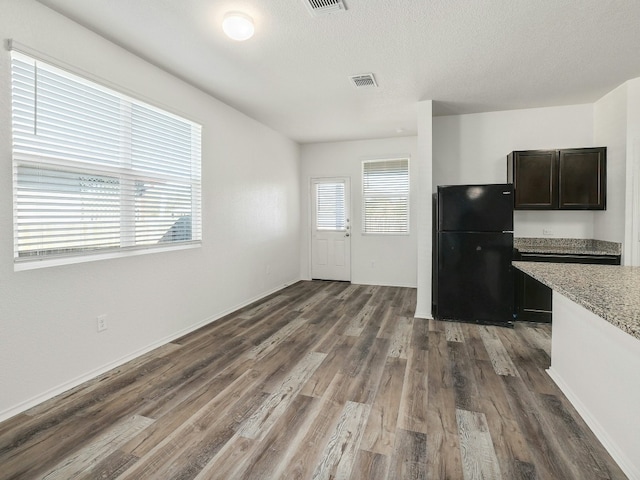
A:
[475, 208]
[475, 277]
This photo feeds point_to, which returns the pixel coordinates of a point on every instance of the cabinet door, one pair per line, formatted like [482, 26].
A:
[582, 179]
[533, 299]
[534, 176]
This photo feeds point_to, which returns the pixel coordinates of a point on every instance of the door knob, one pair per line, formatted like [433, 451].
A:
[346, 234]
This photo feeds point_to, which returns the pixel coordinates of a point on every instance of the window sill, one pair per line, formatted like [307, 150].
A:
[32, 264]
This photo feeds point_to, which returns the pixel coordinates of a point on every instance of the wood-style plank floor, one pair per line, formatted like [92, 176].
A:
[321, 380]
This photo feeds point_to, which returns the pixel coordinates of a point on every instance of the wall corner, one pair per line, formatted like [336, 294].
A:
[424, 170]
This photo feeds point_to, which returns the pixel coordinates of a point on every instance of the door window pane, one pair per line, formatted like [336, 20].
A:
[330, 207]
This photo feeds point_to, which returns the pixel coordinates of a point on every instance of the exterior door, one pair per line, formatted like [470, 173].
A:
[330, 229]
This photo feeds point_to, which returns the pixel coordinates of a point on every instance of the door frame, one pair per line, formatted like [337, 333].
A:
[310, 226]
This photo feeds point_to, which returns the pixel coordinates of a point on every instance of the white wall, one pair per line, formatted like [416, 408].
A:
[375, 259]
[601, 391]
[631, 252]
[617, 125]
[610, 129]
[473, 149]
[251, 208]
[425, 214]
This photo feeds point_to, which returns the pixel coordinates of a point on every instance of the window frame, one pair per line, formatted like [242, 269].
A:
[124, 171]
[365, 196]
[333, 181]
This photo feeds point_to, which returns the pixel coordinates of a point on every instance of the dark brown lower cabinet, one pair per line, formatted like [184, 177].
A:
[533, 299]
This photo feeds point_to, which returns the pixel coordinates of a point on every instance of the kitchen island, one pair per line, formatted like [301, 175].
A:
[595, 349]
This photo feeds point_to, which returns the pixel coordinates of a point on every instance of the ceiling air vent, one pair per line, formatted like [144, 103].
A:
[364, 80]
[324, 7]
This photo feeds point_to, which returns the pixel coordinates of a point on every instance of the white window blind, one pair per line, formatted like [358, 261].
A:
[330, 206]
[385, 185]
[95, 170]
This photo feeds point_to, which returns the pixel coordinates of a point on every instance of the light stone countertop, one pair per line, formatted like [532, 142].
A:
[610, 291]
[566, 250]
[567, 246]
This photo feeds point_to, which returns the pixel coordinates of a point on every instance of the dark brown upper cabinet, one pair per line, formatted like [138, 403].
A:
[569, 179]
[534, 174]
[582, 179]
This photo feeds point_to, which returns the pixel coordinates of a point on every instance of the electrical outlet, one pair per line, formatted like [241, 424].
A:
[547, 232]
[102, 323]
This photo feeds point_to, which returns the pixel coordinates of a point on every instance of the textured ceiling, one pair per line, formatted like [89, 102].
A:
[467, 55]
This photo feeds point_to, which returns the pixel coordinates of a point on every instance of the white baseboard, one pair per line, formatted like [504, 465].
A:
[623, 462]
[385, 284]
[32, 402]
[423, 315]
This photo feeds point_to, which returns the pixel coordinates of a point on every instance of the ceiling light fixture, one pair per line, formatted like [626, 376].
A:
[238, 26]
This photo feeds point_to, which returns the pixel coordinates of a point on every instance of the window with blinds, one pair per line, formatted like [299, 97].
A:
[385, 196]
[330, 206]
[95, 170]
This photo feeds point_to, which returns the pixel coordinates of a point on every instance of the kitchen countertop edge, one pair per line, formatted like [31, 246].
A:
[564, 251]
[626, 318]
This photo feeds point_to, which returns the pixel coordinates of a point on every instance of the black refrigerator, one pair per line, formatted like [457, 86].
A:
[472, 252]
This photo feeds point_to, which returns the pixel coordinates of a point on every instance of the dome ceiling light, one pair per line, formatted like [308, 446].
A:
[238, 26]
